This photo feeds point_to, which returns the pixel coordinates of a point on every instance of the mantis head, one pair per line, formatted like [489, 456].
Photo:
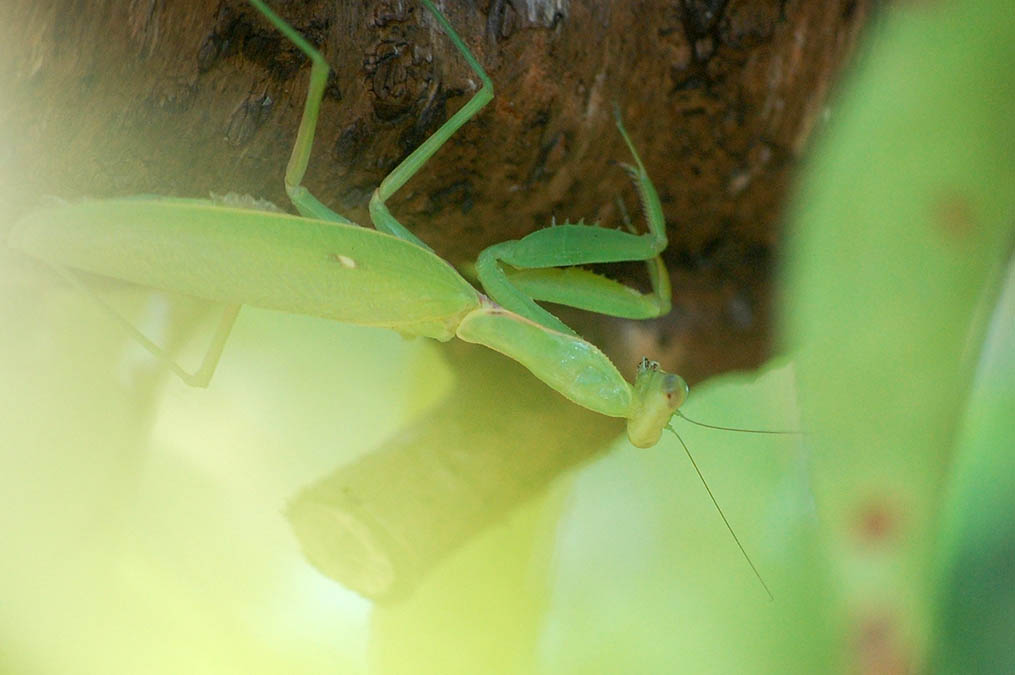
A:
[657, 395]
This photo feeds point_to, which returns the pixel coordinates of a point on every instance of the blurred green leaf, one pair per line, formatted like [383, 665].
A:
[976, 593]
[901, 230]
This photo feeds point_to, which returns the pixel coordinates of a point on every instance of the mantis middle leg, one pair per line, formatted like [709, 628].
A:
[379, 213]
[306, 203]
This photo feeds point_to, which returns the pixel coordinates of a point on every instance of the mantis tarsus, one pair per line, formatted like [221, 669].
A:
[321, 263]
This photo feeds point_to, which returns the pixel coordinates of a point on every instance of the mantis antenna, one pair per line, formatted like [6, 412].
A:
[721, 514]
[709, 490]
[746, 431]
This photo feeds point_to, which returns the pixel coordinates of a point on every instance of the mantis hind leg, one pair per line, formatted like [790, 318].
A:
[198, 378]
[379, 213]
[536, 260]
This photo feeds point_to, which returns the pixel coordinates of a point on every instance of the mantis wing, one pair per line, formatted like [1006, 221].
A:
[245, 256]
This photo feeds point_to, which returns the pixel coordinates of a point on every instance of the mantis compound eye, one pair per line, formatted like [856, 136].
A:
[676, 389]
[657, 395]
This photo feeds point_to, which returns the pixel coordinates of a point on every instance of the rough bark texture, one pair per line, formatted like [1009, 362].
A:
[107, 98]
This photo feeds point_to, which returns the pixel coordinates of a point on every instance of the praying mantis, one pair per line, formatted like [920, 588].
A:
[321, 263]
[238, 251]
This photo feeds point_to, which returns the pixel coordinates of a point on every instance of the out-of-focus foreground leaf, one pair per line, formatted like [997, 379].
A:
[976, 584]
[901, 231]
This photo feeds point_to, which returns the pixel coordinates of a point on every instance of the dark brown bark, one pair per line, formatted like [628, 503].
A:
[105, 97]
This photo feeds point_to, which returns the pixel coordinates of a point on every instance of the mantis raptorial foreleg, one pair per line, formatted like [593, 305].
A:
[538, 257]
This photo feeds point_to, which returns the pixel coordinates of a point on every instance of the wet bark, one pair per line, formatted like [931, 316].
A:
[181, 98]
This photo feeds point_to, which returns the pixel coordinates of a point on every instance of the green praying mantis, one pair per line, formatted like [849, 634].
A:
[322, 264]
[325, 265]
